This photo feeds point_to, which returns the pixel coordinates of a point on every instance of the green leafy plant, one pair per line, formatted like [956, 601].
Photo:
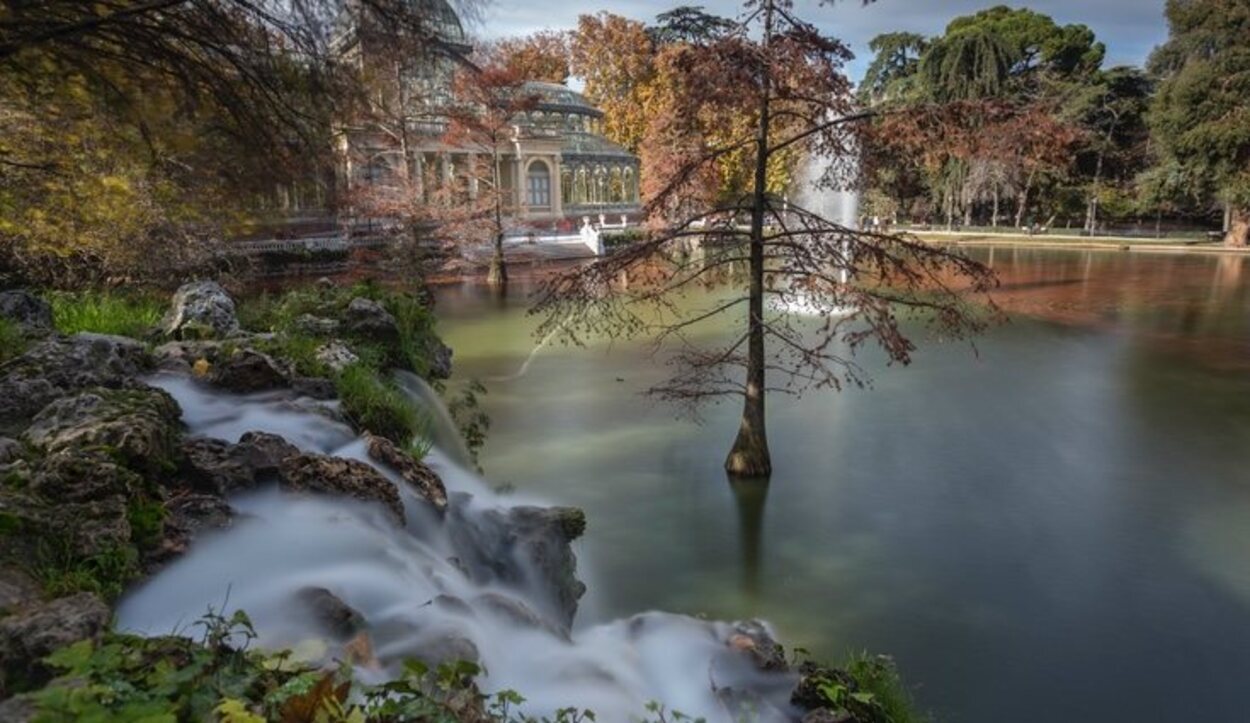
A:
[377, 405]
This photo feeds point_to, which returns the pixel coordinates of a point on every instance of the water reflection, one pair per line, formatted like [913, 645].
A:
[749, 497]
[1044, 531]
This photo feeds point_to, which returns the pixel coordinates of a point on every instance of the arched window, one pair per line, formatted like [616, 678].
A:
[616, 188]
[631, 189]
[538, 185]
[581, 192]
[600, 193]
[566, 185]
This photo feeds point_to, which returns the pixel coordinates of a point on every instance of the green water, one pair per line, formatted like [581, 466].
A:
[1056, 527]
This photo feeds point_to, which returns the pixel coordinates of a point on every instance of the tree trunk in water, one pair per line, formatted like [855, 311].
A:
[498, 274]
[749, 456]
[1238, 228]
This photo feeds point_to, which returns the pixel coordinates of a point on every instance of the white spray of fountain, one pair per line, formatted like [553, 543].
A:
[453, 585]
[839, 205]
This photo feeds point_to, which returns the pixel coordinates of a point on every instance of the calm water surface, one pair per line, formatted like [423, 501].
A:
[1054, 528]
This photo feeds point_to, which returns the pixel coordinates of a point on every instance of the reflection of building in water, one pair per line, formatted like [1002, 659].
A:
[556, 165]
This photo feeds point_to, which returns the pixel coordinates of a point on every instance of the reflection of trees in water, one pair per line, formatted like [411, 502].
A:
[1178, 294]
[750, 496]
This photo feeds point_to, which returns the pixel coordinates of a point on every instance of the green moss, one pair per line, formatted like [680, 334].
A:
[13, 341]
[147, 522]
[107, 312]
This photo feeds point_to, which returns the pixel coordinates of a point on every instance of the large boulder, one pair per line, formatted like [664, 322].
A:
[369, 319]
[423, 480]
[138, 426]
[215, 467]
[26, 638]
[59, 366]
[337, 476]
[201, 310]
[30, 312]
[524, 547]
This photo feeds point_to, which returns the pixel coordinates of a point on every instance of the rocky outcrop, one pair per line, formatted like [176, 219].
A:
[60, 366]
[30, 312]
[337, 476]
[423, 480]
[316, 325]
[752, 638]
[201, 310]
[440, 360]
[137, 426]
[27, 637]
[336, 355]
[368, 319]
[525, 547]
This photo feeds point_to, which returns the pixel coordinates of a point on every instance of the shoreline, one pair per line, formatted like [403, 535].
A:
[1056, 241]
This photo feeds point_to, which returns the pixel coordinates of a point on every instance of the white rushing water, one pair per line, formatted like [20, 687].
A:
[419, 590]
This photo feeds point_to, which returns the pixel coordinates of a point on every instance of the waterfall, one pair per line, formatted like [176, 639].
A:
[444, 585]
[444, 434]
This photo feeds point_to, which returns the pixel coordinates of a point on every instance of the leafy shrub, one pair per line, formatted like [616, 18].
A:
[878, 676]
[106, 312]
[613, 239]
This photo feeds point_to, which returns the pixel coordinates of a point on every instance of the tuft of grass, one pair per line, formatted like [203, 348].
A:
[377, 405]
[877, 675]
[106, 312]
[61, 571]
[147, 522]
[13, 341]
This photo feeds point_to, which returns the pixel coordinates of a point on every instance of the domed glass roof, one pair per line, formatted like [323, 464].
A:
[443, 20]
[553, 96]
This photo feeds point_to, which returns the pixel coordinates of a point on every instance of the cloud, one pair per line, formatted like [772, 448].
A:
[1130, 28]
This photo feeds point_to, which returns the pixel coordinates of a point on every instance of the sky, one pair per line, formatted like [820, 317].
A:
[1130, 28]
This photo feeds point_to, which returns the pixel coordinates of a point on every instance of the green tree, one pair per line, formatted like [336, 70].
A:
[1201, 116]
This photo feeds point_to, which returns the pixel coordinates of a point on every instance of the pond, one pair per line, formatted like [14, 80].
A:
[1053, 527]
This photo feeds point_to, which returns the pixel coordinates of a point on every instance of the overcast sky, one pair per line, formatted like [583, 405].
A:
[1130, 28]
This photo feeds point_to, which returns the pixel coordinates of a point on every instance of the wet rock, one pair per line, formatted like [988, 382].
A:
[447, 647]
[189, 516]
[369, 319]
[336, 355]
[316, 325]
[200, 310]
[183, 356]
[210, 466]
[515, 612]
[752, 638]
[248, 370]
[215, 467]
[525, 547]
[265, 452]
[139, 426]
[30, 312]
[330, 612]
[60, 366]
[27, 637]
[440, 360]
[423, 480]
[335, 475]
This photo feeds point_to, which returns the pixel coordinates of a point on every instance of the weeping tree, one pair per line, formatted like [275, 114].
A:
[854, 288]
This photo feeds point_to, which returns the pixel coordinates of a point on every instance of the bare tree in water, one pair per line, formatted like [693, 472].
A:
[815, 291]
